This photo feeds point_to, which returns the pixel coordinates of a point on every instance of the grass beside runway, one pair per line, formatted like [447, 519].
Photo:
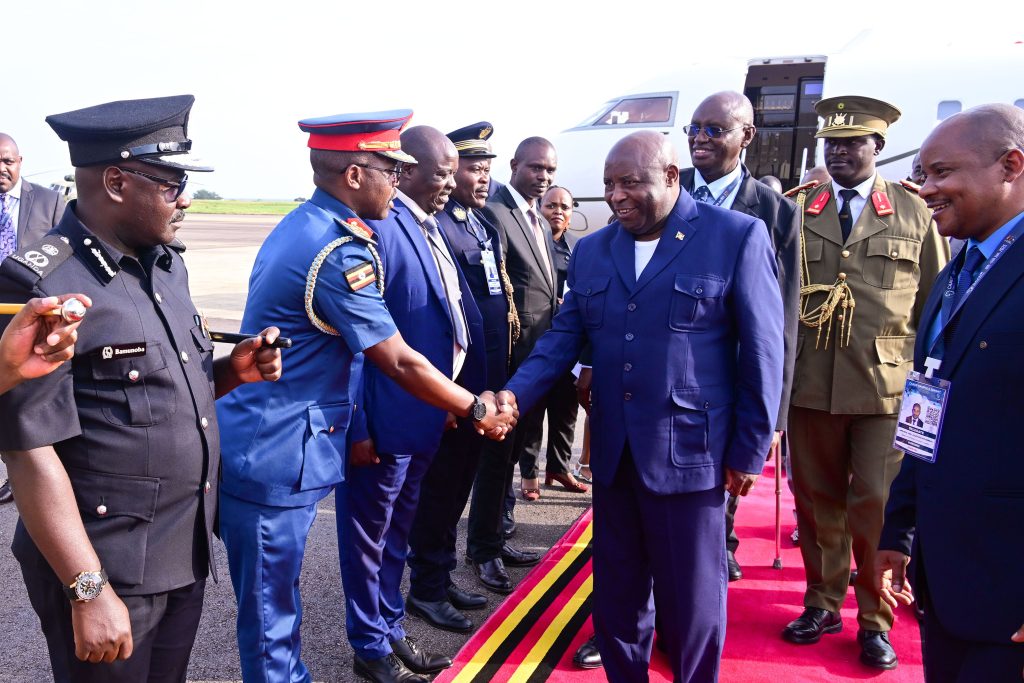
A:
[230, 206]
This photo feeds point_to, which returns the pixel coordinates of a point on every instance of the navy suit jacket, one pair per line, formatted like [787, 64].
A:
[687, 360]
[397, 421]
[782, 218]
[493, 308]
[966, 507]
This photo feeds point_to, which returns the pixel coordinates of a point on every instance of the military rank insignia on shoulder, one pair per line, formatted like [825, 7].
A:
[360, 276]
[810, 185]
[43, 257]
[913, 187]
[459, 214]
[358, 229]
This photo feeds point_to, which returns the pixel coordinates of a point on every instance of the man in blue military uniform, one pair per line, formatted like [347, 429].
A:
[445, 490]
[114, 457]
[666, 296]
[319, 278]
[432, 308]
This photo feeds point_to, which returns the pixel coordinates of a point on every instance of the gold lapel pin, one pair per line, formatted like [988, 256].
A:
[680, 235]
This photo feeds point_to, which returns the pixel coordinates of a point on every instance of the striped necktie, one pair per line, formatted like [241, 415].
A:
[8, 233]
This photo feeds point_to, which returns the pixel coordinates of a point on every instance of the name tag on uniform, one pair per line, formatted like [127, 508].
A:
[115, 351]
[491, 271]
[920, 417]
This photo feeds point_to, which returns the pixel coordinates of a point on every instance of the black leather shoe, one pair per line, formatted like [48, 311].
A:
[508, 524]
[493, 576]
[735, 571]
[811, 625]
[853, 576]
[461, 599]
[518, 558]
[385, 670]
[417, 660]
[587, 656]
[440, 614]
[876, 650]
[6, 495]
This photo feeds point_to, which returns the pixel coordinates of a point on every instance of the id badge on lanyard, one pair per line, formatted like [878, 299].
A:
[491, 271]
[921, 413]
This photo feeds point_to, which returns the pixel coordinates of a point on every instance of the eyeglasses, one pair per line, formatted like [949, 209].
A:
[711, 131]
[173, 191]
[392, 174]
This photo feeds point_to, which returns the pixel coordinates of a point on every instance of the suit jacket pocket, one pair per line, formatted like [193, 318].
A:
[891, 262]
[695, 300]
[323, 451]
[117, 511]
[895, 360]
[592, 293]
[690, 428]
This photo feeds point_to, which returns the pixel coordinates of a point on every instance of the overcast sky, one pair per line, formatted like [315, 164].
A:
[531, 68]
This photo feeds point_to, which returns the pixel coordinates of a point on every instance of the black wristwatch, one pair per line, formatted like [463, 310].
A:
[478, 410]
[86, 586]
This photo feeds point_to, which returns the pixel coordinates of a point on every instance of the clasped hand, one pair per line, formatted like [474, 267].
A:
[501, 417]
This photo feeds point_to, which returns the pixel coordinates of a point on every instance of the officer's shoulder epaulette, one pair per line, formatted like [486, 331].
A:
[911, 186]
[811, 184]
[358, 229]
[177, 245]
[44, 256]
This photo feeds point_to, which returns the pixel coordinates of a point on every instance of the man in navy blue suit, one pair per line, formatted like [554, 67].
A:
[430, 303]
[960, 515]
[680, 304]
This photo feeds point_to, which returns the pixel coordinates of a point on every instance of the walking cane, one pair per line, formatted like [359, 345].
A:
[777, 564]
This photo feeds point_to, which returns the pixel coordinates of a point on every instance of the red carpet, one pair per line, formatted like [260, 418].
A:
[533, 635]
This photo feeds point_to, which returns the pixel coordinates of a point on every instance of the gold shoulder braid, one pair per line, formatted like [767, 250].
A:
[314, 271]
[838, 294]
[513, 314]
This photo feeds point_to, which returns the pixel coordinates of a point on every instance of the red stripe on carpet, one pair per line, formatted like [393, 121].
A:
[760, 605]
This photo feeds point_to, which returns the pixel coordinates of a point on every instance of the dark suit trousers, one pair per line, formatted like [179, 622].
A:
[493, 477]
[443, 496]
[676, 545]
[164, 629]
[563, 407]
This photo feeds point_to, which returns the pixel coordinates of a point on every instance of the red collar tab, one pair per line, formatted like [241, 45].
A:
[359, 229]
[883, 207]
[818, 205]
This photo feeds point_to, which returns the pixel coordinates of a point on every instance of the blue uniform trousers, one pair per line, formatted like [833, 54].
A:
[376, 506]
[675, 543]
[265, 546]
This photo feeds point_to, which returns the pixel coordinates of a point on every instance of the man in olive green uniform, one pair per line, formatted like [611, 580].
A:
[870, 256]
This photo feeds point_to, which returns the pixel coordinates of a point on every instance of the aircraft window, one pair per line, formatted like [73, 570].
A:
[777, 103]
[636, 110]
[1019, 104]
[812, 88]
[949, 107]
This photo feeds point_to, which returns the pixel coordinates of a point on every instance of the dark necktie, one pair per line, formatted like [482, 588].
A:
[964, 279]
[8, 233]
[845, 215]
[703, 194]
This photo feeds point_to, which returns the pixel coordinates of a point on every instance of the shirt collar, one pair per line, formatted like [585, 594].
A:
[863, 190]
[717, 187]
[520, 200]
[15, 192]
[417, 212]
[989, 245]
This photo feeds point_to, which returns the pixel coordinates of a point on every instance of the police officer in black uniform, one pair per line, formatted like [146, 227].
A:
[114, 456]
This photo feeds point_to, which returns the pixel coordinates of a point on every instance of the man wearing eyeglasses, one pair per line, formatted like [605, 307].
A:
[871, 253]
[320, 275]
[721, 128]
[115, 455]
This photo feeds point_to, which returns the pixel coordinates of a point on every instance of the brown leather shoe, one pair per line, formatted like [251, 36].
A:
[566, 480]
